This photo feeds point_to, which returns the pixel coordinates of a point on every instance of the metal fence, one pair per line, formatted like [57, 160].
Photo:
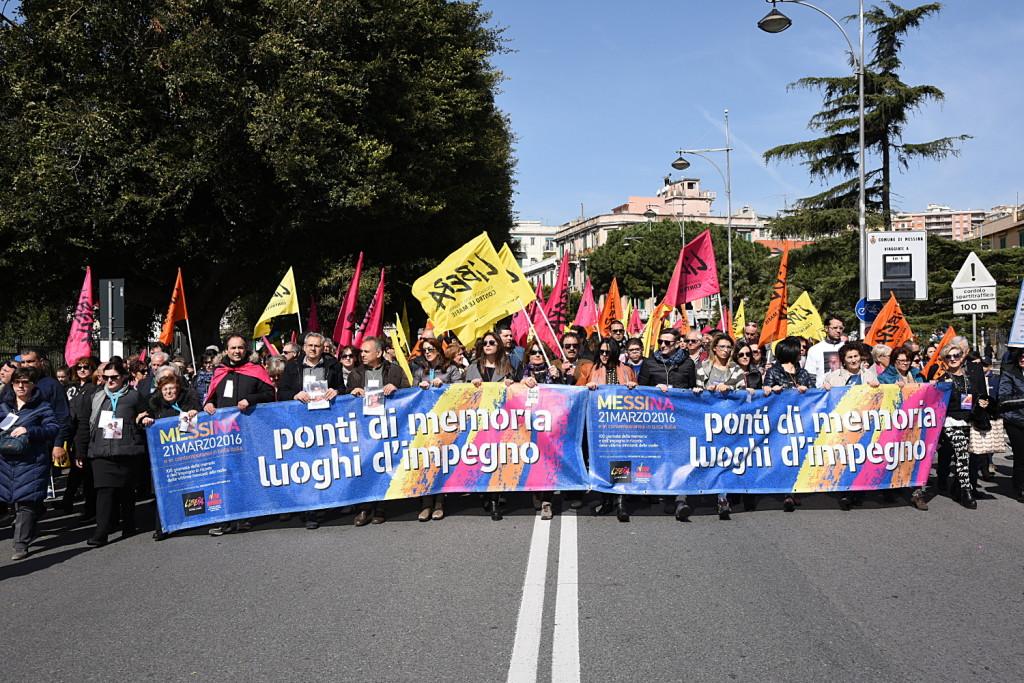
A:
[9, 348]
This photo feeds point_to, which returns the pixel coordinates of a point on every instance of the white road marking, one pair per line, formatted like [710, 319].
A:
[526, 650]
[565, 657]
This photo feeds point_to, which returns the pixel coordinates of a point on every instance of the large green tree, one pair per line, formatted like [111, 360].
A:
[889, 104]
[236, 138]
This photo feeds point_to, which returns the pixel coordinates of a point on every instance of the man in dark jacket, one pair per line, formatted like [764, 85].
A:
[311, 364]
[375, 372]
[669, 366]
[237, 383]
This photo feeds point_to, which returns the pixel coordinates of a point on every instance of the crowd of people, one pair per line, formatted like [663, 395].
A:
[90, 418]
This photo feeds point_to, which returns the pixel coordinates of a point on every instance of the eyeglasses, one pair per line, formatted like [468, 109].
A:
[902, 360]
[348, 355]
[954, 355]
[490, 342]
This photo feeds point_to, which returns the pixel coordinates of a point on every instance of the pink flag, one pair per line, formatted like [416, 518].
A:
[699, 272]
[78, 344]
[543, 331]
[345, 325]
[557, 307]
[635, 326]
[586, 314]
[674, 284]
[313, 324]
[373, 321]
[540, 295]
[271, 349]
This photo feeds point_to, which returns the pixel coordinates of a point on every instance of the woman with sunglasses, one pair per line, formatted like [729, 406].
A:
[348, 356]
[606, 369]
[535, 370]
[28, 425]
[967, 401]
[117, 446]
[490, 364]
[786, 373]
[432, 369]
[80, 394]
[743, 356]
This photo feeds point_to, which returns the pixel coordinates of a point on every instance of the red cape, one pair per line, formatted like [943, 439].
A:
[247, 369]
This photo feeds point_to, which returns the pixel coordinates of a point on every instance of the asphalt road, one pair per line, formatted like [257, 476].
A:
[883, 592]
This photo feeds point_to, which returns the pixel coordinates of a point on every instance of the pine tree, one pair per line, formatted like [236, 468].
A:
[889, 103]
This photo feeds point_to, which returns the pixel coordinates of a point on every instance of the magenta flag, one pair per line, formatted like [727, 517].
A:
[540, 296]
[543, 331]
[373, 321]
[345, 325]
[699, 274]
[520, 328]
[635, 326]
[79, 342]
[271, 349]
[313, 324]
[586, 314]
[557, 308]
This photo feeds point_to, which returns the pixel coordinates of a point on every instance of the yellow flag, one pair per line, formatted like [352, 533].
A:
[522, 292]
[470, 289]
[739, 322]
[627, 313]
[804, 320]
[403, 362]
[284, 301]
[654, 327]
[403, 342]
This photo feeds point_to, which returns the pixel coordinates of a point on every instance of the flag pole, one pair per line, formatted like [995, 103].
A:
[536, 336]
[552, 330]
[298, 315]
[191, 349]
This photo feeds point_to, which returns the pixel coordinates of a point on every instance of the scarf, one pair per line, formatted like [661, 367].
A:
[244, 368]
[676, 358]
[115, 396]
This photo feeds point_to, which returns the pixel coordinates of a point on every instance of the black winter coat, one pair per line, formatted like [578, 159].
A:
[133, 437]
[655, 371]
[251, 389]
[159, 407]
[291, 379]
[392, 375]
[24, 478]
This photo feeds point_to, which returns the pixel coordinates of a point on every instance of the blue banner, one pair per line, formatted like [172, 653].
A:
[645, 441]
[284, 457]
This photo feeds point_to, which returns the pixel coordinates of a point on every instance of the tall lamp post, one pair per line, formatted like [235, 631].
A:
[777, 22]
[681, 164]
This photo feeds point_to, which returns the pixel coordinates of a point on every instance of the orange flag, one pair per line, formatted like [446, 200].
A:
[936, 361]
[612, 309]
[776, 322]
[890, 327]
[176, 311]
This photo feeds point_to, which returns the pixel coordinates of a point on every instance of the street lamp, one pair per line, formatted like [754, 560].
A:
[777, 22]
[681, 164]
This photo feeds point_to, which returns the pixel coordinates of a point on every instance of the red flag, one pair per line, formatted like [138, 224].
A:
[675, 283]
[557, 307]
[373, 321]
[635, 326]
[890, 327]
[345, 325]
[295, 336]
[79, 337]
[543, 331]
[313, 324]
[520, 328]
[776, 322]
[176, 311]
[612, 309]
[586, 314]
[540, 295]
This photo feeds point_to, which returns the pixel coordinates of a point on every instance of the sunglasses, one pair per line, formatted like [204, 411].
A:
[536, 352]
[744, 354]
[430, 349]
[490, 342]
[618, 331]
[666, 342]
[693, 341]
[108, 378]
[348, 355]
[82, 367]
[570, 346]
[604, 352]
[954, 356]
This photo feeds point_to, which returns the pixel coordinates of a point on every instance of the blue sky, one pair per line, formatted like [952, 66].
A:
[601, 94]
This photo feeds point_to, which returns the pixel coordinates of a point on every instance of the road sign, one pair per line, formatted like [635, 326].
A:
[974, 288]
[867, 311]
[974, 307]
